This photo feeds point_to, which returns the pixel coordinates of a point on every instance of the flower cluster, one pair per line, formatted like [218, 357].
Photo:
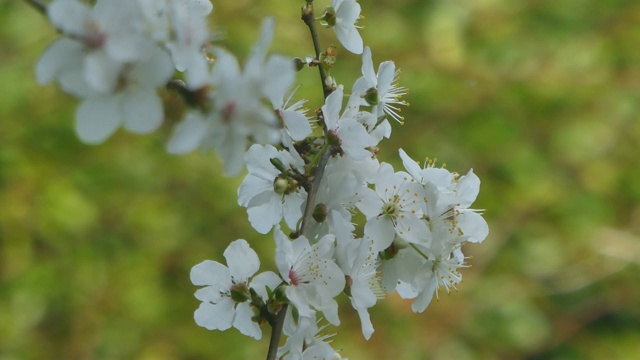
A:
[308, 176]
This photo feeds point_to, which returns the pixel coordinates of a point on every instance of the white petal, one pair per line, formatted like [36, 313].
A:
[365, 321]
[210, 273]
[63, 55]
[97, 119]
[381, 231]
[292, 208]
[242, 260]
[468, 189]
[215, 316]
[297, 124]
[188, 135]
[412, 229]
[70, 16]
[101, 72]
[155, 71]
[265, 216]
[424, 299]
[141, 111]
[473, 226]
[386, 73]
[263, 280]
[331, 109]
[243, 321]
[367, 66]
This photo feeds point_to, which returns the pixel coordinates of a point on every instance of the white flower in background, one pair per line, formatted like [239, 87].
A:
[379, 90]
[352, 137]
[448, 199]
[225, 297]
[239, 116]
[347, 12]
[313, 277]
[358, 259]
[109, 61]
[335, 198]
[269, 195]
[181, 26]
[393, 208]
[106, 38]
[304, 341]
[135, 105]
[421, 278]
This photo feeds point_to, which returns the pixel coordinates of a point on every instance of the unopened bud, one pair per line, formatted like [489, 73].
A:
[280, 186]
[320, 213]
[329, 56]
[330, 83]
[299, 63]
[277, 163]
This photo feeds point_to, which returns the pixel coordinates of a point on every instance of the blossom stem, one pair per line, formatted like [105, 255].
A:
[276, 328]
[42, 8]
[311, 197]
[307, 17]
[276, 332]
[419, 252]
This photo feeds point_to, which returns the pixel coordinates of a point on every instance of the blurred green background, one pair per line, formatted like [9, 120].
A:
[541, 98]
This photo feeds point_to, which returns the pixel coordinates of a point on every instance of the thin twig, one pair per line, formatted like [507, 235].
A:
[276, 332]
[309, 20]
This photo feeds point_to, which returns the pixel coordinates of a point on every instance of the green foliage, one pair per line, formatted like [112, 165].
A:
[541, 98]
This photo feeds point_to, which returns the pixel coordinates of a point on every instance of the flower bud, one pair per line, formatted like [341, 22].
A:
[299, 63]
[320, 213]
[329, 56]
[280, 186]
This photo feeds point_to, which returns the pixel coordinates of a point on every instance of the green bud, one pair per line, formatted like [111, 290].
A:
[320, 213]
[280, 186]
[277, 163]
[299, 63]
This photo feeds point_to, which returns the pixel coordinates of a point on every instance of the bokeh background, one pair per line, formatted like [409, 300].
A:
[541, 98]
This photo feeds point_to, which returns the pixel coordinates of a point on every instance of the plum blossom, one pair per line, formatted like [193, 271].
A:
[379, 90]
[344, 130]
[347, 12]
[239, 116]
[268, 194]
[225, 297]
[312, 276]
[393, 208]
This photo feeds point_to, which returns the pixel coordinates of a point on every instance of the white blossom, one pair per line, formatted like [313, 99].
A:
[219, 310]
[313, 278]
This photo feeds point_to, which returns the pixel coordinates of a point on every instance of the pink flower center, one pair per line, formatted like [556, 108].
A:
[228, 112]
[293, 278]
